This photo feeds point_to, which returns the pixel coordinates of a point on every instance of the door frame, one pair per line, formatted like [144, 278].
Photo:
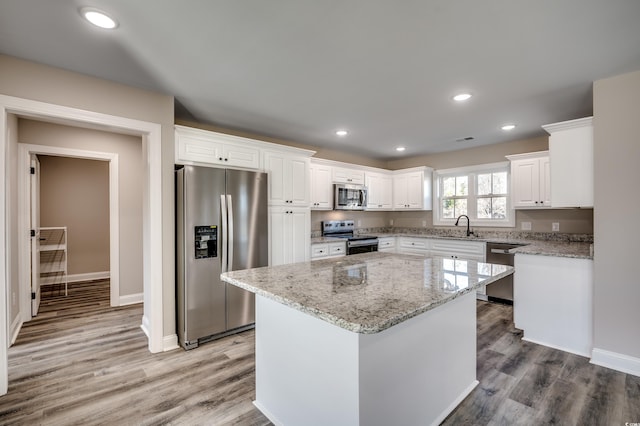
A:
[24, 203]
[152, 319]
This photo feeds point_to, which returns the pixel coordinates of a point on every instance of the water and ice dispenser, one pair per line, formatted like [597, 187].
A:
[206, 241]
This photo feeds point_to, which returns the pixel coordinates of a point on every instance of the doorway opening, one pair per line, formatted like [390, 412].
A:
[150, 133]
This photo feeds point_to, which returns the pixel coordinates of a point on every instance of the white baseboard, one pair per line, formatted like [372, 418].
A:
[16, 325]
[89, 276]
[620, 362]
[131, 299]
[455, 403]
[75, 278]
[145, 325]
[575, 351]
[170, 343]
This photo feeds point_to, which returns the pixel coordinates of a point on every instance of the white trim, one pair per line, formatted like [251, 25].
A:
[131, 299]
[15, 329]
[152, 206]
[170, 343]
[24, 152]
[89, 276]
[472, 172]
[584, 353]
[568, 125]
[620, 362]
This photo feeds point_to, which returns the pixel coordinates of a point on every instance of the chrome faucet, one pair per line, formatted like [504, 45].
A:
[469, 232]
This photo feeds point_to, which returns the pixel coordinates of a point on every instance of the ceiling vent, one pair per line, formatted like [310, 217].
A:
[467, 139]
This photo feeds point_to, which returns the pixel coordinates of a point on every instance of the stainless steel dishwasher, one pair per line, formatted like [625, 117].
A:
[501, 290]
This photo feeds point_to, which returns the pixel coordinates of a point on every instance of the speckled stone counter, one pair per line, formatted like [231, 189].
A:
[370, 292]
[363, 335]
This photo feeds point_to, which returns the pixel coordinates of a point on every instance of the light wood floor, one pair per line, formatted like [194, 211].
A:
[82, 362]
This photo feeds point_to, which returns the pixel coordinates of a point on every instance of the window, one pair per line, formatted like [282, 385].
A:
[480, 192]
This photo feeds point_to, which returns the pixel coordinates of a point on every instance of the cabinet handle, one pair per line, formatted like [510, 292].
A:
[226, 159]
[220, 158]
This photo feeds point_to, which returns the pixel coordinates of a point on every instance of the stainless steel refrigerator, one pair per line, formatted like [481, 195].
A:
[221, 225]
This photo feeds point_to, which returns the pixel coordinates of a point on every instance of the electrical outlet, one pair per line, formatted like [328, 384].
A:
[424, 223]
[359, 223]
[526, 226]
[391, 222]
[555, 226]
[13, 298]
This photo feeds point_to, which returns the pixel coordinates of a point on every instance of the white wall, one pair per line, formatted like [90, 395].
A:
[616, 214]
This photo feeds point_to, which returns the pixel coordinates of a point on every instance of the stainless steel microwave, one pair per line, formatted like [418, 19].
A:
[349, 197]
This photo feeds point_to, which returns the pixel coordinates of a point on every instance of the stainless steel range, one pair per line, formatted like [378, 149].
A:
[345, 229]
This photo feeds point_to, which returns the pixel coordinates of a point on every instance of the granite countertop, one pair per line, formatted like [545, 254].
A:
[322, 240]
[577, 249]
[370, 292]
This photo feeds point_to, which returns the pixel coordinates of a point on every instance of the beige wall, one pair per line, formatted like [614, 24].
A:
[74, 193]
[34, 81]
[617, 209]
[130, 178]
[327, 154]
[472, 156]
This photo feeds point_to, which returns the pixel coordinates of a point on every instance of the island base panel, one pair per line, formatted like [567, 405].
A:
[310, 372]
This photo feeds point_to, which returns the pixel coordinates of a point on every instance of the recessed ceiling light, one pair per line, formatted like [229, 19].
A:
[400, 148]
[508, 127]
[461, 97]
[342, 132]
[98, 18]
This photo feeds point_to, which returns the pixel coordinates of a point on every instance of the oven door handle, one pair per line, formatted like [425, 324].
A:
[362, 243]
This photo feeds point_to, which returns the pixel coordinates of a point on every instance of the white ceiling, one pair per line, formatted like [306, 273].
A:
[385, 70]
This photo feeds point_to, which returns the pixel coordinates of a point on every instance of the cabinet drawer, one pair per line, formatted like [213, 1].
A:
[386, 243]
[337, 249]
[414, 243]
[319, 250]
[469, 249]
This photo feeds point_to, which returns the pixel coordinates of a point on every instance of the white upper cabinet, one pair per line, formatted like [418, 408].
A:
[571, 156]
[350, 176]
[289, 179]
[321, 187]
[530, 180]
[412, 189]
[379, 191]
[196, 146]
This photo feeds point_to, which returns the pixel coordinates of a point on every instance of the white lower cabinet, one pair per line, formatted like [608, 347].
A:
[413, 245]
[474, 250]
[328, 250]
[290, 234]
[387, 244]
[553, 301]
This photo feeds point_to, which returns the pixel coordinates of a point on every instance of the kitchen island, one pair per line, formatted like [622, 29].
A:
[368, 339]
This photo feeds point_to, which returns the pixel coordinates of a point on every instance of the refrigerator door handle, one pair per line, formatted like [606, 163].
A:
[230, 232]
[223, 208]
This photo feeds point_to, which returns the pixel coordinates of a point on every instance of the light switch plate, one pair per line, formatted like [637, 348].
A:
[424, 223]
[391, 222]
[359, 223]
[526, 226]
[555, 226]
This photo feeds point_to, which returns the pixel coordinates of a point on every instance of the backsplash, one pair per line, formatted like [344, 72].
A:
[479, 232]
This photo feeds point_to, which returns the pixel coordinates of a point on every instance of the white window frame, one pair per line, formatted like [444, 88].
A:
[472, 172]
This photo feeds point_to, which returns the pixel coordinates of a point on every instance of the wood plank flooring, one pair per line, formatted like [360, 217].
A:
[81, 362]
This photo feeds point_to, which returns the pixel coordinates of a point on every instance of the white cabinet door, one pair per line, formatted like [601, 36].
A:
[321, 187]
[379, 191]
[289, 179]
[290, 234]
[571, 154]
[200, 146]
[412, 190]
[341, 175]
[530, 181]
